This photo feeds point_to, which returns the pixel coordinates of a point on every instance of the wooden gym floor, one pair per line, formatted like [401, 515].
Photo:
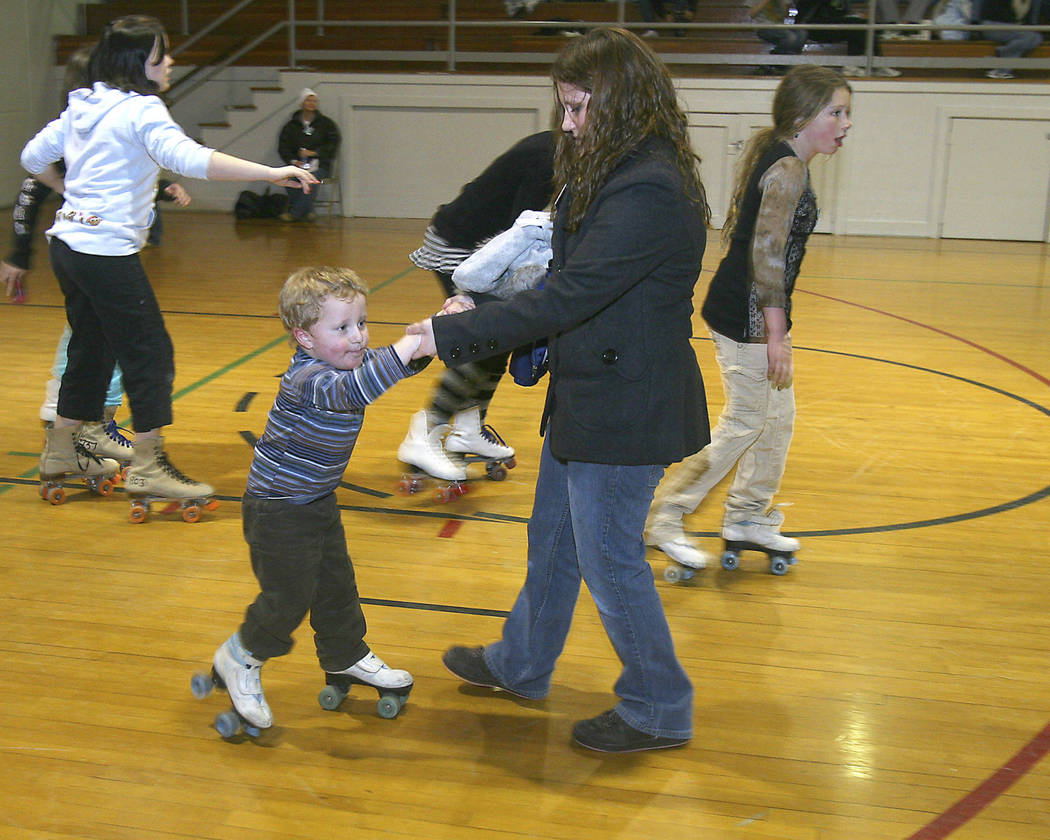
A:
[893, 685]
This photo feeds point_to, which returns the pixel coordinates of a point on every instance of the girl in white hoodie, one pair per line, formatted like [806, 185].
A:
[115, 137]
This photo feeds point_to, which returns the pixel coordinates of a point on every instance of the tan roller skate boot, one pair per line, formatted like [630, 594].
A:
[152, 477]
[103, 439]
[64, 458]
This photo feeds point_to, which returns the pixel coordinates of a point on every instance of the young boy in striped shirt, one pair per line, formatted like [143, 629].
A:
[291, 519]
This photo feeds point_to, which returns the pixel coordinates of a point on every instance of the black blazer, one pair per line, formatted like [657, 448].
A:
[624, 384]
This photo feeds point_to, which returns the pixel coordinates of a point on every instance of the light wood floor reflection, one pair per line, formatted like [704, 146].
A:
[893, 685]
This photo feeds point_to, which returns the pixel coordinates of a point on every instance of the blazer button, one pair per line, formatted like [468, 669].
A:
[610, 357]
[492, 344]
[454, 352]
[475, 348]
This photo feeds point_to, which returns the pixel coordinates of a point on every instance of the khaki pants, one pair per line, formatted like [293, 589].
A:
[753, 433]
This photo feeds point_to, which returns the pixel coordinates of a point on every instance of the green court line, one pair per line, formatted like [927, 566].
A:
[231, 366]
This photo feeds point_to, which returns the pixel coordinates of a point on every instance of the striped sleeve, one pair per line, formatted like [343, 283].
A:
[341, 390]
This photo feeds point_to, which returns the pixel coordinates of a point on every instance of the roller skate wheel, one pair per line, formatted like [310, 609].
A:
[678, 574]
[511, 462]
[388, 706]
[780, 565]
[250, 730]
[407, 486]
[730, 560]
[330, 698]
[227, 724]
[211, 504]
[105, 487]
[138, 513]
[201, 685]
[496, 471]
[191, 513]
[55, 495]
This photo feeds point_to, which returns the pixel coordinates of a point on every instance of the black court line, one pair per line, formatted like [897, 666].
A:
[480, 516]
[417, 605]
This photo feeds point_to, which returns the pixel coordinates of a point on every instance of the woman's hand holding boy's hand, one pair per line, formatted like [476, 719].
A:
[425, 331]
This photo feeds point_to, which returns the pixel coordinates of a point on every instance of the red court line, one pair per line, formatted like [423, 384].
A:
[1000, 781]
[450, 528]
[988, 791]
[974, 344]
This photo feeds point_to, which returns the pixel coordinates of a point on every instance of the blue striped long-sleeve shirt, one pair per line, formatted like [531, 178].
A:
[314, 423]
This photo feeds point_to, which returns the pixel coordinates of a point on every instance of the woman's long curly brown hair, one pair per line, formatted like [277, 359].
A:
[801, 95]
[632, 98]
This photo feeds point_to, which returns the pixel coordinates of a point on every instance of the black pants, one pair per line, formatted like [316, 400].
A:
[114, 317]
[300, 559]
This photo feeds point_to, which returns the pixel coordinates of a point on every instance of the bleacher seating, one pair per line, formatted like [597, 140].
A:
[534, 37]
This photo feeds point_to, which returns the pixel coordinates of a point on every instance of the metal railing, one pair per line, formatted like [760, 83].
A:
[451, 56]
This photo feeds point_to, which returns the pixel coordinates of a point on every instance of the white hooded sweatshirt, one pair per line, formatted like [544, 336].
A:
[114, 144]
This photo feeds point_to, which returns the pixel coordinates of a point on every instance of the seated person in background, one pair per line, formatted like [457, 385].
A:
[889, 12]
[308, 140]
[668, 11]
[949, 12]
[784, 41]
[812, 12]
[1012, 43]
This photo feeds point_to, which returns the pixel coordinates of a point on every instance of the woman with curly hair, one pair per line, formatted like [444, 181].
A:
[625, 396]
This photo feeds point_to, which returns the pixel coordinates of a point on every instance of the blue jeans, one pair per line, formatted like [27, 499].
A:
[587, 522]
[300, 203]
[1013, 43]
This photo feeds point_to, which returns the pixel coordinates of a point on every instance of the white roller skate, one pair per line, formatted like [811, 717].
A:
[477, 442]
[152, 478]
[754, 536]
[423, 448]
[239, 674]
[64, 458]
[393, 686]
[688, 559]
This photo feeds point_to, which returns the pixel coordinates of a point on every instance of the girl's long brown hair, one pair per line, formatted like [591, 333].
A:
[802, 94]
[632, 98]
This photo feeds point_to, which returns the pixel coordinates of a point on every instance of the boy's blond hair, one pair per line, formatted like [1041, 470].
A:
[303, 293]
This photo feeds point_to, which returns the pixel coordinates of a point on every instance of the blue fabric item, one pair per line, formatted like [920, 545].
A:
[528, 364]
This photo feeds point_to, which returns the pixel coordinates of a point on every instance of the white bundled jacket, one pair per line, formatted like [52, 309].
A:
[511, 261]
[114, 144]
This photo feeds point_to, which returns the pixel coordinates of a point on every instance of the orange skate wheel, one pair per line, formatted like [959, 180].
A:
[460, 490]
[211, 504]
[191, 513]
[511, 462]
[137, 514]
[444, 494]
[56, 495]
[105, 487]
